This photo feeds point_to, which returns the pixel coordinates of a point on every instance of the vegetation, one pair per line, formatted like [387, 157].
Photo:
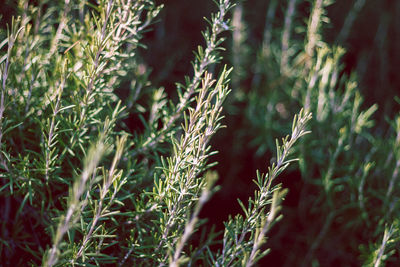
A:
[102, 166]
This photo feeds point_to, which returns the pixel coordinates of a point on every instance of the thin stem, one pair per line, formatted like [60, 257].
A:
[312, 31]
[283, 151]
[199, 66]
[267, 225]
[60, 29]
[386, 236]
[99, 212]
[349, 21]
[52, 128]
[190, 227]
[11, 41]
[74, 203]
[268, 27]
[286, 35]
[395, 176]
[195, 125]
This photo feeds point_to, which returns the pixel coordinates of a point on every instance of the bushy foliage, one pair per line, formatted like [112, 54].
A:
[100, 166]
[347, 206]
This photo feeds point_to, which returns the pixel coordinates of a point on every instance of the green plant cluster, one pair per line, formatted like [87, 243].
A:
[81, 186]
[349, 167]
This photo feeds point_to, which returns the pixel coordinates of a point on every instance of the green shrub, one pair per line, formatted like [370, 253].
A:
[348, 198]
[81, 186]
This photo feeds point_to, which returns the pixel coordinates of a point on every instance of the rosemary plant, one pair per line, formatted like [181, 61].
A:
[99, 165]
[100, 193]
[348, 165]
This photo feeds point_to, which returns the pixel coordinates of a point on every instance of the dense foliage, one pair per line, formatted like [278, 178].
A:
[102, 165]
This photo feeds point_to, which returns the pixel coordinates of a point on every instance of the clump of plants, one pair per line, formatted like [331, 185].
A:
[99, 166]
[346, 208]
[78, 186]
